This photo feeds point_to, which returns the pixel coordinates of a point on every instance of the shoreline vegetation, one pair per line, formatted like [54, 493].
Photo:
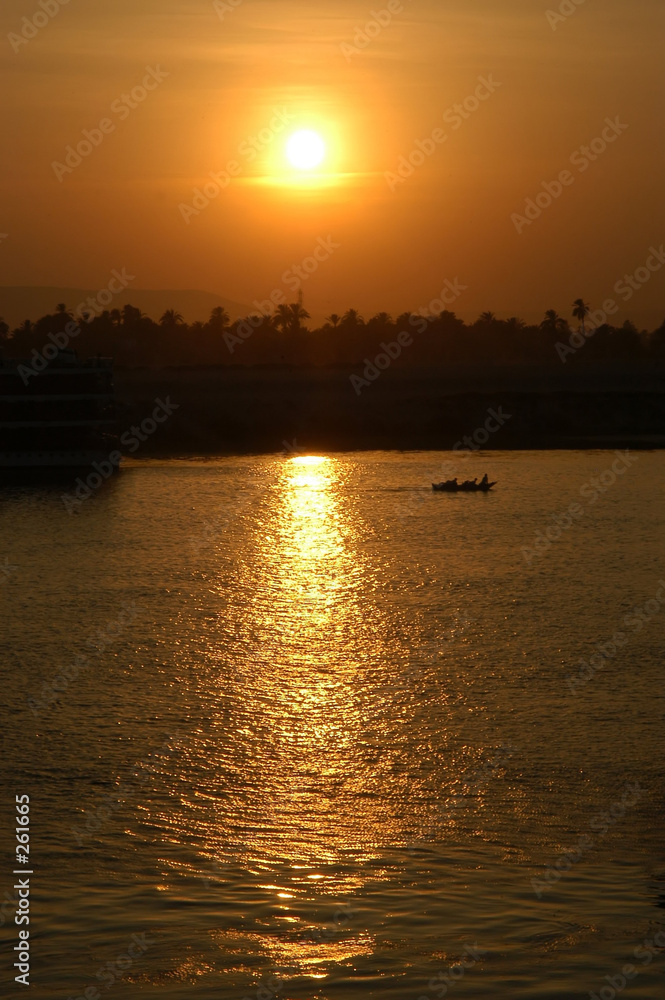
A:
[283, 338]
[352, 385]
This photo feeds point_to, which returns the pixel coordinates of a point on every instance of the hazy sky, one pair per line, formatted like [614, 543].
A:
[235, 67]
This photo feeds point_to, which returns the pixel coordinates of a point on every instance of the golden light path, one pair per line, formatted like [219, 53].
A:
[300, 704]
[286, 808]
[309, 460]
[281, 802]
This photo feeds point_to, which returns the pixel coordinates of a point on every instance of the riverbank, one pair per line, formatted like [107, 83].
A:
[258, 410]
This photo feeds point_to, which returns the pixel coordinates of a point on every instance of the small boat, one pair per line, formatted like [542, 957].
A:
[452, 486]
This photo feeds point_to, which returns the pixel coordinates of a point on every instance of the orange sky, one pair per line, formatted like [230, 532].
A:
[233, 70]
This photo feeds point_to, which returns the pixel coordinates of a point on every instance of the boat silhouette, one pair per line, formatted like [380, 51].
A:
[469, 486]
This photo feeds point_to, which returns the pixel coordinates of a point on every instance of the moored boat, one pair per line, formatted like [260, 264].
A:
[58, 416]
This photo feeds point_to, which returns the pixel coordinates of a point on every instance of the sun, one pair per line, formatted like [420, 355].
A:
[305, 150]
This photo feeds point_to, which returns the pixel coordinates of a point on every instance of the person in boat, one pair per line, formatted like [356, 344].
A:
[485, 480]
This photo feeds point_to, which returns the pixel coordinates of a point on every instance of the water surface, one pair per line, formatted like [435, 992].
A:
[316, 734]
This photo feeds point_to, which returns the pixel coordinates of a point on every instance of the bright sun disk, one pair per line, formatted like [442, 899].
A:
[305, 149]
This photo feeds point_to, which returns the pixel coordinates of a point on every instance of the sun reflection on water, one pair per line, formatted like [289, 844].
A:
[287, 807]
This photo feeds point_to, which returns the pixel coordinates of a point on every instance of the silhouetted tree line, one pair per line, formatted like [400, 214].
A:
[134, 339]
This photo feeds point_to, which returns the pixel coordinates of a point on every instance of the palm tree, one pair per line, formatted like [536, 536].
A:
[4, 329]
[553, 321]
[486, 317]
[403, 321]
[25, 329]
[515, 323]
[61, 308]
[580, 312]
[171, 318]
[282, 318]
[381, 319]
[131, 315]
[219, 320]
[297, 314]
[333, 319]
[352, 318]
[289, 318]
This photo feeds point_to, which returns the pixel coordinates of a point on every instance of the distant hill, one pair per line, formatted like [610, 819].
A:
[21, 303]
